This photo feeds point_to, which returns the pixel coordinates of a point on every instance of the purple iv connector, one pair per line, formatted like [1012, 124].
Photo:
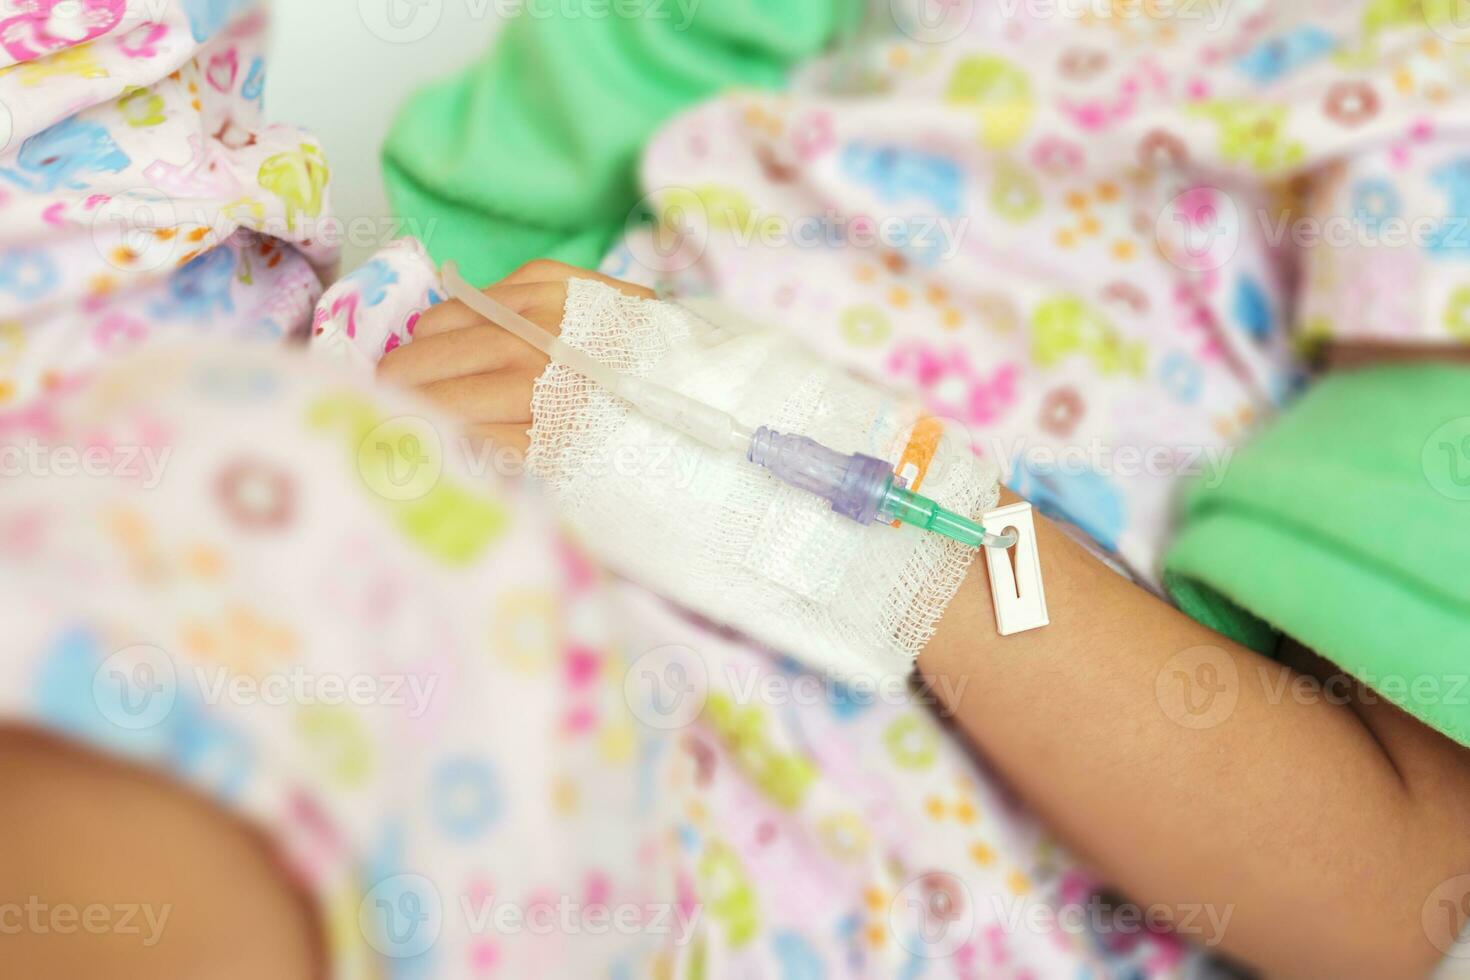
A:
[856, 484]
[862, 488]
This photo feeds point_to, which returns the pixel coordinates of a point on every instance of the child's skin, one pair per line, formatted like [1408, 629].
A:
[1319, 827]
[189, 890]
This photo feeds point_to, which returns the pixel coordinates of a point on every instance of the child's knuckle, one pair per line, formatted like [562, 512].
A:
[542, 269]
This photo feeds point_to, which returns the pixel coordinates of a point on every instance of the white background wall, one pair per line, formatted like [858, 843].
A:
[341, 68]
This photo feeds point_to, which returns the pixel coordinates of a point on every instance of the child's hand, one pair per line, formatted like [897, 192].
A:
[479, 371]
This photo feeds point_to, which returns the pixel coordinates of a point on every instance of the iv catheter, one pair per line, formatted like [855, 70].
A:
[860, 487]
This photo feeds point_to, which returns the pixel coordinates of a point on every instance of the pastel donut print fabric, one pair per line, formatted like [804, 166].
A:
[1097, 244]
[142, 195]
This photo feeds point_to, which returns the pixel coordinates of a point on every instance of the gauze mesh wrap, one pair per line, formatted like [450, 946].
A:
[720, 535]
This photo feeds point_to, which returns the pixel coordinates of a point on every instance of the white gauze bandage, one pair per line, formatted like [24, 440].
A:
[719, 534]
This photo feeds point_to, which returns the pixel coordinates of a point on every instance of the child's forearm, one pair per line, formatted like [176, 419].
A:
[1321, 828]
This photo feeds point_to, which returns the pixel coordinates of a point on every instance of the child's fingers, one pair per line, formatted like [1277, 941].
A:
[543, 270]
[478, 349]
[549, 270]
[500, 396]
[444, 317]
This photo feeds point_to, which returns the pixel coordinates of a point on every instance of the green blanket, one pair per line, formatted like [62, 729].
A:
[533, 151]
[1347, 526]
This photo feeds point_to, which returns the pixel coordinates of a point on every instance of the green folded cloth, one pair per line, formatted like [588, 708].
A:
[533, 151]
[1346, 525]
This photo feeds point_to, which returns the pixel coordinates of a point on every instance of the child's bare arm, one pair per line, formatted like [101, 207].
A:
[1320, 827]
[115, 871]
